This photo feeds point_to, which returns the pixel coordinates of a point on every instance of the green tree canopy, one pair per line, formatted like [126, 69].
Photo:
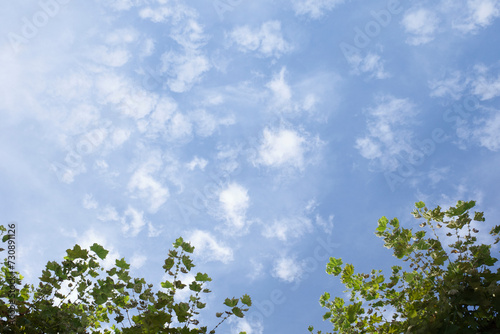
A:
[450, 288]
[106, 301]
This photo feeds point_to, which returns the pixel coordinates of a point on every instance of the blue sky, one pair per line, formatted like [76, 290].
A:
[270, 134]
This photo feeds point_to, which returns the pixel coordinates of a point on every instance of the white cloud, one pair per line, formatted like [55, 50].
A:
[267, 40]
[209, 248]
[179, 127]
[184, 70]
[207, 123]
[486, 87]
[108, 213]
[453, 85]
[314, 8]
[89, 202]
[146, 186]
[282, 147]
[153, 231]
[288, 269]
[234, 202]
[137, 261]
[478, 14]
[132, 222]
[485, 131]
[480, 81]
[130, 99]
[281, 90]
[243, 325]
[197, 162]
[185, 67]
[112, 57]
[421, 24]
[120, 4]
[389, 133]
[327, 226]
[120, 136]
[286, 228]
[371, 63]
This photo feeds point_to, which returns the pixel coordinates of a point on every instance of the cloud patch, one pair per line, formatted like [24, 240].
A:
[288, 269]
[209, 248]
[421, 24]
[389, 132]
[234, 202]
[315, 9]
[282, 148]
[267, 41]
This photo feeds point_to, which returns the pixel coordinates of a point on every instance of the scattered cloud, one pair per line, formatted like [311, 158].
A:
[145, 186]
[286, 228]
[234, 202]
[184, 69]
[288, 269]
[282, 148]
[282, 92]
[314, 8]
[132, 222]
[477, 14]
[371, 63]
[197, 162]
[485, 85]
[421, 24]
[137, 261]
[209, 248]
[267, 40]
[89, 202]
[389, 126]
[108, 213]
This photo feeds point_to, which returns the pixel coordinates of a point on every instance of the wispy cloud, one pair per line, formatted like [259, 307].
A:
[234, 202]
[389, 134]
[267, 40]
[421, 24]
[288, 269]
[314, 8]
[144, 185]
[208, 248]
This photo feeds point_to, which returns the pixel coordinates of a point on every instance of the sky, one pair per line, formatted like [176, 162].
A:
[270, 134]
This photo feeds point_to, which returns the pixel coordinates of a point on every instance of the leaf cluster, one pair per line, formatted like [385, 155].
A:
[444, 289]
[79, 296]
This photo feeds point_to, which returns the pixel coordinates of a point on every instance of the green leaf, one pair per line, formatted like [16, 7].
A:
[99, 250]
[382, 224]
[178, 242]
[231, 302]
[187, 262]
[122, 264]
[194, 286]
[202, 278]
[334, 266]
[237, 312]
[169, 263]
[76, 253]
[182, 311]
[419, 205]
[187, 247]
[246, 300]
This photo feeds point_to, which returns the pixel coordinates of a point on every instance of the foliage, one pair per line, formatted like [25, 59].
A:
[452, 289]
[94, 297]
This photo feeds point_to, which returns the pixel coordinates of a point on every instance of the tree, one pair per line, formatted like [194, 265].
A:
[79, 296]
[444, 289]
